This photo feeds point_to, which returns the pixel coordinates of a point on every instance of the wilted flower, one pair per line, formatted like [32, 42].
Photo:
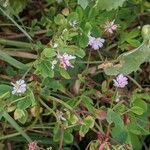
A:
[96, 43]
[65, 60]
[110, 26]
[19, 87]
[32, 146]
[53, 63]
[61, 115]
[121, 81]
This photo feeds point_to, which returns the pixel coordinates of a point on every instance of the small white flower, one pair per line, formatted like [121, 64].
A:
[65, 30]
[110, 26]
[73, 23]
[55, 45]
[19, 87]
[53, 63]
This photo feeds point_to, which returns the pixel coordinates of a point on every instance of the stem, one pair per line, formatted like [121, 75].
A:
[16, 43]
[134, 81]
[90, 62]
[62, 138]
[101, 57]
[51, 110]
[9, 136]
[16, 126]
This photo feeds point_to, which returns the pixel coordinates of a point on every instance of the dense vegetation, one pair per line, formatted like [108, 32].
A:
[74, 74]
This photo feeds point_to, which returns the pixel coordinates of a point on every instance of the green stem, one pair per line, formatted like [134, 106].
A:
[51, 110]
[90, 62]
[9, 136]
[59, 101]
[134, 81]
[16, 43]
[16, 24]
[16, 126]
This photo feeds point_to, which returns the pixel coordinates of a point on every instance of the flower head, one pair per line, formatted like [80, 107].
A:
[53, 63]
[19, 87]
[96, 43]
[110, 26]
[65, 60]
[121, 81]
[61, 115]
[32, 146]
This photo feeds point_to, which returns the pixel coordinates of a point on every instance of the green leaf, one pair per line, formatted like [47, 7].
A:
[12, 61]
[44, 68]
[88, 103]
[80, 53]
[119, 134]
[83, 130]
[137, 110]
[109, 4]
[24, 118]
[4, 89]
[83, 40]
[68, 137]
[59, 19]
[24, 103]
[134, 140]
[73, 119]
[114, 117]
[57, 133]
[140, 103]
[64, 73]
[83, 3]
[130, 61]
[89, 121]
[18, 114]
[16, 126]
[49, 52]
[17, 5]
[137, 129]
[32, 98]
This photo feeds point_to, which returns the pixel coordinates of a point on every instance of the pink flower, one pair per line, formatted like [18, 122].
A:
[32, 146]
[121, 81]
[96, 43]
[65, 60]
[110, 26]
[102, 146]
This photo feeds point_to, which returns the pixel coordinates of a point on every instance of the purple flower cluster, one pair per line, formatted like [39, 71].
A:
[96, 43]
[121, 81]
[110, 26]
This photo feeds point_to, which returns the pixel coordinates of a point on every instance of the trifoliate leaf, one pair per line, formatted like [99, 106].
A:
[109, 4]
[83, 3]
[130, 61]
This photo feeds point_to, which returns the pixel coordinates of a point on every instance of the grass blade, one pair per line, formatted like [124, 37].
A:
[16, 126]
[5, 57]
[17, 25]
